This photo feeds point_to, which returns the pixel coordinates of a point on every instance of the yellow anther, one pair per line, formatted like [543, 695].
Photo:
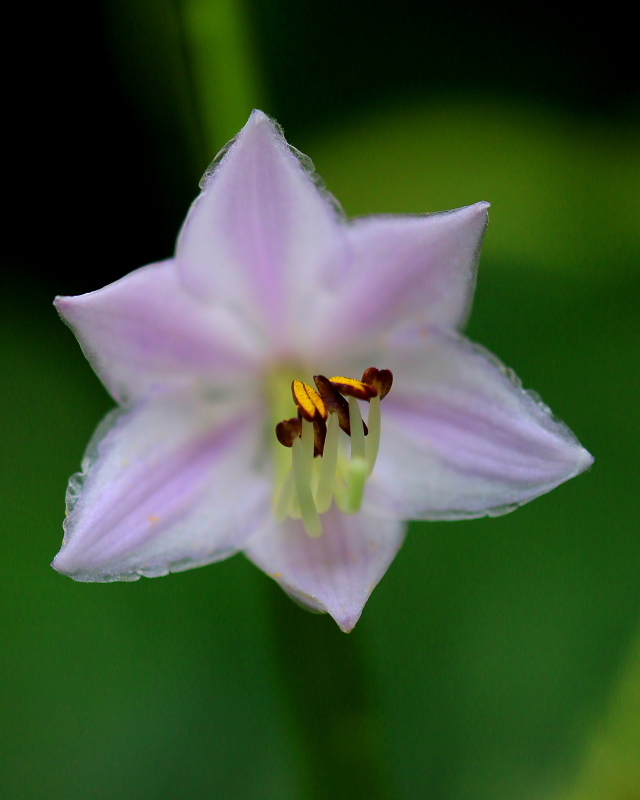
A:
[350, 387]
[309, 403]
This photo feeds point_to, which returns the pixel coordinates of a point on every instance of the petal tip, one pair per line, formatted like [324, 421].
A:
[576, 460]
[346, 623]
[259, 122]
[86, 573]
[345, 614]
[479, 211]
[63, 303]
[584, 460]
[66, 566]
[475, 210]
[257, 116]
[56, 565]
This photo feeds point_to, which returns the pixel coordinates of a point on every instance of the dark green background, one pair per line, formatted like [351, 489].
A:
[490, 651]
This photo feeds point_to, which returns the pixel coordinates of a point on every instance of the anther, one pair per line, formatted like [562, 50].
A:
[335, 402]
[288, 430]
[350, 387]
[319, 436]
[309, 403]
[380, 379]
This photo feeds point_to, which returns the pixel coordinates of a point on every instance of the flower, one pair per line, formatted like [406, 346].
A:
[270, 286]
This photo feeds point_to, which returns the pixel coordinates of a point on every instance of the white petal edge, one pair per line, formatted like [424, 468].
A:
[169, 485]
[335, 572]
[461, 438]
[256, 236]
[145, 332]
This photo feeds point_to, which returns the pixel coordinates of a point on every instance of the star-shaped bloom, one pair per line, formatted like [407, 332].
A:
[242, 368]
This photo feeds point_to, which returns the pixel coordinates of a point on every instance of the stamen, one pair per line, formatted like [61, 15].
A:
[380, 379]
[334, 401]
[308, 401]
[308, 488]
[350, 387]
[355, 486]
[282, 506]
[357, 430]
[358, 465]
[319, 436]
[288, 431]
[373, 439]
[302, 460]
[326, 481]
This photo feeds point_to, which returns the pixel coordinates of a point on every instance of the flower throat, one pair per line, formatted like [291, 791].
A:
[320, 468]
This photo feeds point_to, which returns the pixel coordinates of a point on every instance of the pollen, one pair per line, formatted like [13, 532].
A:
[327, 465]
[350, 387]
[308, 401]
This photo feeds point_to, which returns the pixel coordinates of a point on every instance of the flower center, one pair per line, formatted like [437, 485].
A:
[322, 466]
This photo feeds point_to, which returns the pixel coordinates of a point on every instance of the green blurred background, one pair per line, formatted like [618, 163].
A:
[499, 659]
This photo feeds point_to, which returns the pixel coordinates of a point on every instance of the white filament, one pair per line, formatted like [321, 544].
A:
[373, 439]
[357, 466]
[302, 463]
[329, 462]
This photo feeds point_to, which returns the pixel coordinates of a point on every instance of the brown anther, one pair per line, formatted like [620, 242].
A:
[379, 379]
[350, 387]
[319, 436]
[288, 431]
[309, 403]
[335, 402]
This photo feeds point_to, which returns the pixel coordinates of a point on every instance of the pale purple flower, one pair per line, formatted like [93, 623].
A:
[270, 283]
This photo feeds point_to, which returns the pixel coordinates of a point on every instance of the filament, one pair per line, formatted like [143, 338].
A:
[302, 463]
[329, 462]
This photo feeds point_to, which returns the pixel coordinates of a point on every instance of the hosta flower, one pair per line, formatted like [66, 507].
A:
[243, 368]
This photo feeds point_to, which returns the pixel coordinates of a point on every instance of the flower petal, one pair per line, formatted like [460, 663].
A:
[402, 269]
[255, 237]
[145, 331]
[165, 487]
[461, 438]
[335, 572]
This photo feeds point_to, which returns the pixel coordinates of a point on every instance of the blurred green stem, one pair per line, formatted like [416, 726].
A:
[223, 65]
[331, 704]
